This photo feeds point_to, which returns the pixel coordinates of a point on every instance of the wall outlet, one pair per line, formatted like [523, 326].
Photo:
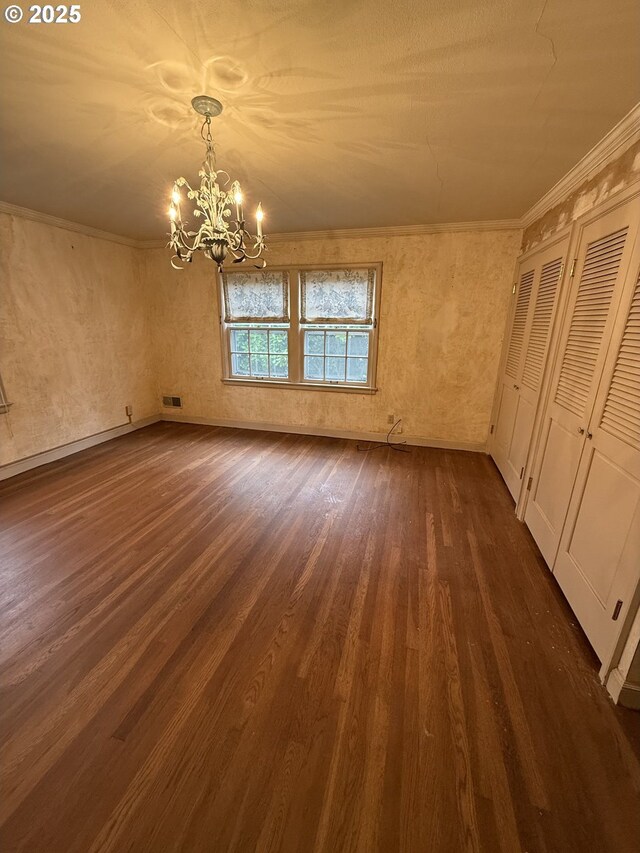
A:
[391, 419]
[129, 411]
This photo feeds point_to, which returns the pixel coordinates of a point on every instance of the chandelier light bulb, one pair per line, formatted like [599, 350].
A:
[218, 229]
[237, 197]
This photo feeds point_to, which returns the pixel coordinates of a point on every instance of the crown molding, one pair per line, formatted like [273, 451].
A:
[616, 141]
[398, 230]
[57, 222]
[391, 231]
[152, 244]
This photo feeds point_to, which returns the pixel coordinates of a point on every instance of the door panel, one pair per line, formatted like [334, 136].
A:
[509, 388]
[519, 420]
[549, 499]
[608, 504]
[603, 256]
[519, 448]
[504, 425]
[546, 298]
[523, 300]
[504, 437]
[598, 561]
[590, 314]
[599, 557]
[525, 360]
[621, 415]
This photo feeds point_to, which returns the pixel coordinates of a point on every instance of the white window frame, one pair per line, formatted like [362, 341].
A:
[296, 331]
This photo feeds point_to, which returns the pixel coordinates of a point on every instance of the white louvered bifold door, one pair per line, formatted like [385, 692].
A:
[598, 562]
[525, 360]
[604, 251]
[621, 415]
[519, 327]
[546, 300]
[590, 312]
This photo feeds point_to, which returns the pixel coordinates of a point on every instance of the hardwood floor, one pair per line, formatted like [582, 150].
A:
[218, 640]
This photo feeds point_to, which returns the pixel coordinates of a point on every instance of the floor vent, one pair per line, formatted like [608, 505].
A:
[172, 402]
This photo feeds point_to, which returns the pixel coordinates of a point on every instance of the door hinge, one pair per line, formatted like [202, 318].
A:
[513, 289]
[529, 484]
[521, 472]
[616, 610]
[491, 430]
[573, 267]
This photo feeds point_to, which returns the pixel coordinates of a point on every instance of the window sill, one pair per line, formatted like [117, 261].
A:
[301, 386]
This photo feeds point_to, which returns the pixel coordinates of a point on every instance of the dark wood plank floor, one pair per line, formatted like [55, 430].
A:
[218, 640]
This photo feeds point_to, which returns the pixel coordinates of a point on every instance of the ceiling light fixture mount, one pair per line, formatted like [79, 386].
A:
[206, 106]
[222, 225]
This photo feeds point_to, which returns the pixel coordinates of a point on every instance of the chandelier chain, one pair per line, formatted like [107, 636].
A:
[208, 139]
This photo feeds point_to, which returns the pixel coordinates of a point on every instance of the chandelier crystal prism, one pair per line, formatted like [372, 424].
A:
[218, 210]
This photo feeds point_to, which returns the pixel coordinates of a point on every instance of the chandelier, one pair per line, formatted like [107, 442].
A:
[218, 210]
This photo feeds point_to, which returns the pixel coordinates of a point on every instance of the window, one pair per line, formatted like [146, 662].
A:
[336, 355]
[301, 326]
[259, 352]
[256, 313]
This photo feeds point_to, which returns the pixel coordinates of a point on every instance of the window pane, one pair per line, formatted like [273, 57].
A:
[255, 296]
[313, 367]
[335, 368]
[278, 367]
[336, 343]
[239, 340]
[277, 342]
[357, 369]
[240, 365]
[338, 295]
[258, 341]
[358, 343]
[259, 365]
[314, 343]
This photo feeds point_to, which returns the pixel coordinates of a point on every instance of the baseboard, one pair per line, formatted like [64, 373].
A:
[329, 432]
[624, 693]
[11, 469]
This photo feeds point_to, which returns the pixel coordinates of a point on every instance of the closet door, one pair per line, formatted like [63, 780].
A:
[598, 562]
[603, 254]
[536, 302]
[502, 445]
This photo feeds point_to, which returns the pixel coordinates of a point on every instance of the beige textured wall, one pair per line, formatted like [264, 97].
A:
[612, 178]
[75, 334]
[444, 302]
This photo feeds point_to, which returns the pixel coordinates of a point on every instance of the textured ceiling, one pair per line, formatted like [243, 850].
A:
[338, 113]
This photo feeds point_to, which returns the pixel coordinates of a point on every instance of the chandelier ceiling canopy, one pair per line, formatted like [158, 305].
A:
[218, 208]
